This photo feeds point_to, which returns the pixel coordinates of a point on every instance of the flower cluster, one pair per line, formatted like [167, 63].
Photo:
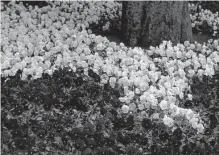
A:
[204, 19]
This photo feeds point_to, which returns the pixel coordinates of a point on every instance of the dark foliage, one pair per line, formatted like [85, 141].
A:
[60, 110]
[146, 123]
[177, 134]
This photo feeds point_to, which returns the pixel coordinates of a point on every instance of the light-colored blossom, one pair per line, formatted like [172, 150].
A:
[168, 121]
[200, 128]
[164, 105]
[125, 109]
[132, 106]
[189, 114]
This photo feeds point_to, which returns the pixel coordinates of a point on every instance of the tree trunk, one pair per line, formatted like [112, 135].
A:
[149, 23]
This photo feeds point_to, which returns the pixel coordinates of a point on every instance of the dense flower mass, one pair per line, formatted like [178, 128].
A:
[37, 42]
[204, 20]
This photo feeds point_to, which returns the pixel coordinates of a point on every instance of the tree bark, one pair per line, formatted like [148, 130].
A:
[149, 23]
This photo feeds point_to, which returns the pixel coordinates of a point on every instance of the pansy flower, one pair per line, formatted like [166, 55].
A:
[168, 121]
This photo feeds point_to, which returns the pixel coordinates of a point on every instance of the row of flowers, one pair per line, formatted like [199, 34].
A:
[204, 20]
[104, 14]
[153, 78]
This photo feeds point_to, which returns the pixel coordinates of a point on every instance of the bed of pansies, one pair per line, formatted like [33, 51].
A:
[65, 90]
[204, 20]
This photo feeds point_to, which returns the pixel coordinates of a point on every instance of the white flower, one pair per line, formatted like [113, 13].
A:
[47, 64]
[103, 81]
[125, 109]
[192, 46]
[39, 70]
[215, 28]
[79, 50]
[154, 102]
[137, 82]
[143, 98]
[87, 51]
[200, 128]
[189, 114]
[137, 91]
[6, 64]
[162, 53]
[109, 71]
[191, 73]
[170, 70]
[26, 71]
[200, 72]
[84, 64]
[186, 43]
[6, 73]
[126, 90]
[104, 76]
[178, 54]
[100, 47]
[216, 43]
[124, 81]
[74, 44]
[194, 122]
[147, 105]
[189, 96]
[141, 106]
[182, 111]
[168, 121]
[18, 66]
[167, 85]
[112, 80]
[164, 105]
[131, 95]
[122, 99]
[83, 57]
[144, 86]
[49, 71]
[173, 107]
[209, 70]
[175, 112]
[149, 52]
[23, 77]
[193, 24]
[170, 52]
[132, 106]
[155, 116]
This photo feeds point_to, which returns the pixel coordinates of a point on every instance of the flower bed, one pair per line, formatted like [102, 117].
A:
[203, 20]
[104, 90]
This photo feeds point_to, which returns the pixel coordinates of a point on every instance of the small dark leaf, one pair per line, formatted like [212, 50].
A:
[130, 122]
[118, 123]
[79, 81]
[146, 123]
[177, 134]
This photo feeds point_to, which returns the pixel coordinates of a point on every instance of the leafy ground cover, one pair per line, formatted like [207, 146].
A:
[70, 113]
